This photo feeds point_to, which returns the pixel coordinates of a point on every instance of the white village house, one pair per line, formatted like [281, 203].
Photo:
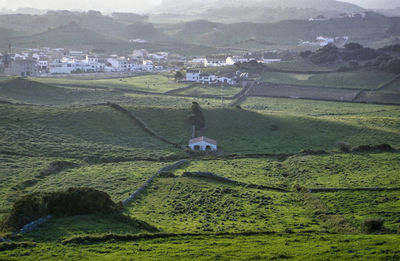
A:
[198, 77]
[203, 144]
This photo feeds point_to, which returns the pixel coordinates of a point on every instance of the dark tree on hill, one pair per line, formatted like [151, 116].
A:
[325, 55]
[353, 46]
[305, 54]
[196, 117]
[179, 76]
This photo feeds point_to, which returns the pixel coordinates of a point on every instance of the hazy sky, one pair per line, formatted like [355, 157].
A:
[139, 5]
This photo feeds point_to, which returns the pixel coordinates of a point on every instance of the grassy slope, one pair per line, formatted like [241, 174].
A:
[318, 108]
[351, 80]
[258, 247]
[322, 171]
[298, 65]
[183, 204]
[157, 83]
[249, 132]
[358, 206]
[261, 171]
[200, 90]
[83, 132]
[346, 170]
[14, 170]
[34, 92]
[21, 175]
[195, 205]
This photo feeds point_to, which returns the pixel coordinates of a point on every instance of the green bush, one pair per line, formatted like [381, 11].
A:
[74, 201]
[372, 225]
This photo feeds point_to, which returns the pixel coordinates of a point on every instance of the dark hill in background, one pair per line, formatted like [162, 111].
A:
[70, 35]
[195, 6]
[373, 28]
[145, 31]
[92, 20]
[128, 18]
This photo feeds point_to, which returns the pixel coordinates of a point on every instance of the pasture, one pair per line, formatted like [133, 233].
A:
[58, 135]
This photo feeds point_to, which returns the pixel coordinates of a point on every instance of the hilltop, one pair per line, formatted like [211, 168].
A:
[71, 35]
[255, 10]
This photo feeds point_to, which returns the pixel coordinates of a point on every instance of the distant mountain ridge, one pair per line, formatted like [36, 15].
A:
[198, 6]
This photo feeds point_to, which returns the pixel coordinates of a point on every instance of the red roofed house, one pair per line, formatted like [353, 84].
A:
[203, 144]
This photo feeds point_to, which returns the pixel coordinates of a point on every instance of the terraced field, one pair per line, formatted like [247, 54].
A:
[273, 152]
[347, 80]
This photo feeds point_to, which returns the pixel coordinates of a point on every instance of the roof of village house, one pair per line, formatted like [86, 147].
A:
[193, 71]
[199, 139]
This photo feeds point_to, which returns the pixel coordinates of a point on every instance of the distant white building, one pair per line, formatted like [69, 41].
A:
[192, 75]
[226, 80]
[198, 62]
[119, 64]
[203, 144]
[324, 41]
[270, 60]
[198, 77]
[231, 60]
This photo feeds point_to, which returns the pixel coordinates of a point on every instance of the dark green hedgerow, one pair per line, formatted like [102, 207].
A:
[74, 201]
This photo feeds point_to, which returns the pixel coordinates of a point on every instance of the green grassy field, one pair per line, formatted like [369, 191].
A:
[299, 65]
[351, 80]
[257, 247]
[358, 206]
[318, 108]
[194, 205]
[92, 132]
[104, 149]
[158, 83]
[211, 90]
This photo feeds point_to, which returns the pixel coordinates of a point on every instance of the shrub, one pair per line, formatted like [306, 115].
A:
[343, 146]
[353, 46]
[74, 201]
[166, 174]
[372, 225]
[380, 147]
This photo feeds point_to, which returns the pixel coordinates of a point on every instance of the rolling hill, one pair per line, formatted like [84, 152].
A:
[70, 35]
[181, 6]
[288, 32]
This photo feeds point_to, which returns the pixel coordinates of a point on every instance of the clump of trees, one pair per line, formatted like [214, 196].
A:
[179, 76]
[252, 66]
[354, 56]
[326, 55]
[74, 201]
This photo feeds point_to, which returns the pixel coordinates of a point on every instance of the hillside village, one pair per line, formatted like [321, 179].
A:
[202, 130]
[53, 61]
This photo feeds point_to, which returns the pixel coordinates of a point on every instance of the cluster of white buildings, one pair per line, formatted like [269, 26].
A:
[322, 41]
[225, 61]
[59, 61]
[194, 75]
[351, 15]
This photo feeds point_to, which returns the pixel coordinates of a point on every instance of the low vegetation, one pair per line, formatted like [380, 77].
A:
[74, 201]
[277, 151]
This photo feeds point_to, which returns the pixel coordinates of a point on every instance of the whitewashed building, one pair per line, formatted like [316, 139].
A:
[198, 62]
[192, 75]
[231, 60]
[203, 144]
